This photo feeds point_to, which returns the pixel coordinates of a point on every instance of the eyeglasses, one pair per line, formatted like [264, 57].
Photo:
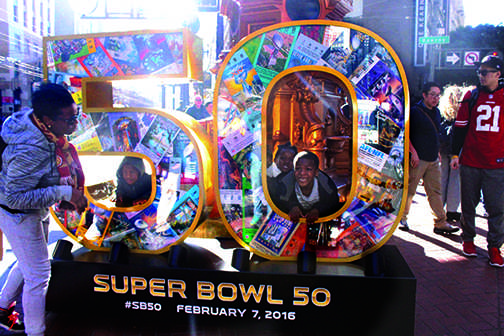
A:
[72, 120]
[435, 95]
[484, 72]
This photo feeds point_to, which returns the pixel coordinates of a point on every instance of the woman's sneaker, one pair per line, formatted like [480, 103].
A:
[9, 320]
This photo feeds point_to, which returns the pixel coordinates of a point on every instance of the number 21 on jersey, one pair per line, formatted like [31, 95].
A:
[488, 121]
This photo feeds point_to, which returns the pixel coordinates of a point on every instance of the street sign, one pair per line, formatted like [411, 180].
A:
[471, 58]
[452, 58]
[460, 58]
[434, 40]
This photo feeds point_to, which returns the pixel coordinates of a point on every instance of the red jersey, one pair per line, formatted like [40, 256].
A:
[484, 143]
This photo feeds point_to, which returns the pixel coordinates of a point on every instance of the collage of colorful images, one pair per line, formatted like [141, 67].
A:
[169, 193]
[122, 55]
[376, 79]
[162, 205]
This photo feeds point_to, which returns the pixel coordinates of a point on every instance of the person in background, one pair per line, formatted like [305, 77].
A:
[479, 140]
[209, 107]
[197, 110]
[424, 158]
[450, 181]
[40, 168]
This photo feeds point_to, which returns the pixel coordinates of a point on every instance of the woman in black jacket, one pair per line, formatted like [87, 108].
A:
[134, 185]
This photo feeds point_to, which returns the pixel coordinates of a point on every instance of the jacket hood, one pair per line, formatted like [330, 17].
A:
[19, 129]
[141, 190]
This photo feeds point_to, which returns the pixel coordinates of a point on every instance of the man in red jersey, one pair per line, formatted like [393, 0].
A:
[479, 139]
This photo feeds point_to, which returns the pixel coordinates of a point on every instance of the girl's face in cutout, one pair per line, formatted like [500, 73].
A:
[130, 174]
[284, 161]
[305, 173]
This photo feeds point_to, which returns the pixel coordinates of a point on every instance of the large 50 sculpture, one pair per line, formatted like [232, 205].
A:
[335, 90]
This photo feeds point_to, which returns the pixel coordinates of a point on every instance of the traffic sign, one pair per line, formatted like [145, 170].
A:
[460, 58]
[471, 58]
[452, 58]
[434, 40]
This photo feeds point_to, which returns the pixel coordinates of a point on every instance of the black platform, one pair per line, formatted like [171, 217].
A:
[196, 285]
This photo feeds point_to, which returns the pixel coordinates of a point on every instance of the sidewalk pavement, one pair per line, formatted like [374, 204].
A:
[456, 296]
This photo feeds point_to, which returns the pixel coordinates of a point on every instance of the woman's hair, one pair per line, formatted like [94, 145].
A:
[308, 156]
[449, 102]
[133, 161]
[140, 190]
[49, 99]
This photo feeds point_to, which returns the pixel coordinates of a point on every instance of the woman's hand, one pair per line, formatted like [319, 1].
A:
[79, 200]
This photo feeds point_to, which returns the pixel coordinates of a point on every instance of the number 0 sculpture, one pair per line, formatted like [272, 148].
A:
[310, 119]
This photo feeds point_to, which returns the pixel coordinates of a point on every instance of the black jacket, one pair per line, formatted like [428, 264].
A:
[136, 193]
[284, 195]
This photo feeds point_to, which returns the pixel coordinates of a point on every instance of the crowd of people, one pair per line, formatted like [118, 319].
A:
[456, 149]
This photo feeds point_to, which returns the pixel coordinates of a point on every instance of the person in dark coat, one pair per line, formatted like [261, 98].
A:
[134, 185]
[197, 110]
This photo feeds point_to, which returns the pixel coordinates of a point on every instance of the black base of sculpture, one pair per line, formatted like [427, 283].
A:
[202, 283]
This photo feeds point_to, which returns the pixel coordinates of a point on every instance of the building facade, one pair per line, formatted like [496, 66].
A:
[398, 22]
[22, 25]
